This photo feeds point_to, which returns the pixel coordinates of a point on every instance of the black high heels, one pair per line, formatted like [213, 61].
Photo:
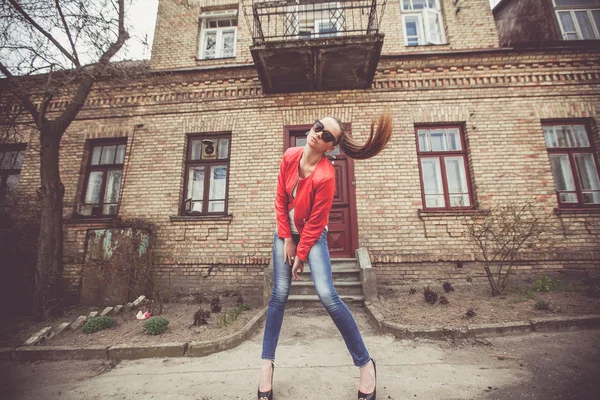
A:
[268, 395]
[373, 395]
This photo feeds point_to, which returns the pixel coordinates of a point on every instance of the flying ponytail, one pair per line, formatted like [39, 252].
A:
[377, 141]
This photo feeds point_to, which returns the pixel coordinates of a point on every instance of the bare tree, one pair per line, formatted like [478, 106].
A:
[52, 52]
[505, 233]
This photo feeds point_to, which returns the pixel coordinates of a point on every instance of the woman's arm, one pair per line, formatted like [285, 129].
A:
[318, 218]
[281, 205]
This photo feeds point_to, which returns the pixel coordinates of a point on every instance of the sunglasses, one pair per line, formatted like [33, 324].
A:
[325, 135]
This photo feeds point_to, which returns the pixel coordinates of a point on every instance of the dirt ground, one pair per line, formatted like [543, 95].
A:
[129, 330]
[518, 304]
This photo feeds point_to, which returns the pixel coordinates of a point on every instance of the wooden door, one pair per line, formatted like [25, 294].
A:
[342, 234]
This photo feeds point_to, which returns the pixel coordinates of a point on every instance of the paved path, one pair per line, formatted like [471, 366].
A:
[313, 363]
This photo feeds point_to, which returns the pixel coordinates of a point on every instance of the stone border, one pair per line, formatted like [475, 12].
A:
[134, 352]
[550, 324]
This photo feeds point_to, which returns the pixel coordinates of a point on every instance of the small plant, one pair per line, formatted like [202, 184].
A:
[98, 323]
[470, 313]
[469, 279]
[430, 295]
[541, 305]
[545, 284]
[240, 300]
[245, 307]
[444, 300]
[215, 304]
[412, 291]
[201, 317]
[448, 287]
[229, 316]
[155, 325]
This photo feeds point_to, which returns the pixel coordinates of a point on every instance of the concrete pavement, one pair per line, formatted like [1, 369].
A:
[313, 363]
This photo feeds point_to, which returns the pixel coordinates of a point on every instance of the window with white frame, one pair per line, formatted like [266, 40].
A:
[443, 165]
[423, 22]
[218, 34]
[578, 19]
[573, 164]
[305, 21]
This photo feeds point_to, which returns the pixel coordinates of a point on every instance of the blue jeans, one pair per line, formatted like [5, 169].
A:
[320, 267]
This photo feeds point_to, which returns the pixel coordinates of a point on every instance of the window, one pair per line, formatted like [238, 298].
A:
[218, 34]
[578, 19]
[102, 187]
[305, 21]
[423, 23]
[206, 175]
[443, 167]
[573, 165]
[11, 159]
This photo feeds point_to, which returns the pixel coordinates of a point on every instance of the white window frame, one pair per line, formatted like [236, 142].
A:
[204, 30]
[423, 15]
[595, 28]
[316, 31]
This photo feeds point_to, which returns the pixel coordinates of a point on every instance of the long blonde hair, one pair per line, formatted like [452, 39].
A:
[377, 141]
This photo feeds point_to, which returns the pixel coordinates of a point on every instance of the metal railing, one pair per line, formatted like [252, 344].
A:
[312, 19]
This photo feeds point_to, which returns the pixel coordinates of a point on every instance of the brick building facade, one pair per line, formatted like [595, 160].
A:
[497, 101]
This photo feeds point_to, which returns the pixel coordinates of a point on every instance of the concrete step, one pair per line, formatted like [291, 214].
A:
[342, 287]
[296, 301]
[339, 274]
[344, 263]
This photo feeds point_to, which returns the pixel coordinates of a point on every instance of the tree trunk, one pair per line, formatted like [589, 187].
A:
[48, 270]
[490, 276]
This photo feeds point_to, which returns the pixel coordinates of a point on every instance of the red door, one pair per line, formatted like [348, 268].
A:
[342, 227]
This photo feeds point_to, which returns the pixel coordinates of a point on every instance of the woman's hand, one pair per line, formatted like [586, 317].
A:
[298, 266]
[289, 251]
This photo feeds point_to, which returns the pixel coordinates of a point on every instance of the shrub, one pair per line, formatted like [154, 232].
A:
[98, 323]
[448, 287]
[470, 313]
[545, 284]
[155, 325]
[541, 305]
[412, 291]
[245, 307]
[215, 304]
[444, 300]
[201, 317]
[240, 300]
[430, 295]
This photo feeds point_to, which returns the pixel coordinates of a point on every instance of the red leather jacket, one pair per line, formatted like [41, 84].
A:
[314, 196]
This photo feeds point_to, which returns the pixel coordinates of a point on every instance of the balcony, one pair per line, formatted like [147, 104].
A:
[315, 45]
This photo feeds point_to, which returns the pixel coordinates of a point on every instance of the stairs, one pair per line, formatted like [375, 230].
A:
[346, 280]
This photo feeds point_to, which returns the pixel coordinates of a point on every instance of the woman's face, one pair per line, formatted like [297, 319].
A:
[315, 139]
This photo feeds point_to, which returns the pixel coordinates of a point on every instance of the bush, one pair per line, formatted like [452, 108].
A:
[240, 300]
[444, 300]
[215, 304]
[430, 295]
[201, 317]
[448, 287]
[412, 291]
[541, 305]
[470, 313]
[97, 324]
[545, 284]
[155, 325]
[245, 307]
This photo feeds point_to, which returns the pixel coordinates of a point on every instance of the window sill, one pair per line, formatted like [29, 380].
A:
[215, 59]
[91, 220]
[193, 218]
[561, 211]
[435, 213]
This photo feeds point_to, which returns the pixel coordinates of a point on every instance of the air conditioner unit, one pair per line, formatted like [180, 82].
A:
[209, 149]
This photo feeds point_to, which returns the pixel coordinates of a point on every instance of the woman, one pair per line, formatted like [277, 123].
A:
[305, 189]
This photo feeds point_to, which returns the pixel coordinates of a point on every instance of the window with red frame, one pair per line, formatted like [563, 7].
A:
[206, 175]
[102, 187]
[443, 167]
[573, 164]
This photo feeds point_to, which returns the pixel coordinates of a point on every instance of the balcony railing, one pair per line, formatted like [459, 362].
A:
[312, 19]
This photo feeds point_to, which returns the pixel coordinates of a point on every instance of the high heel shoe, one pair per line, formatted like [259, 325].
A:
[268, 395]
[373, 395]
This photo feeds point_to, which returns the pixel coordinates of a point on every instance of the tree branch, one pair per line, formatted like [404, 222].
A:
[25, 100]
[68, 31]
[20, 10]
